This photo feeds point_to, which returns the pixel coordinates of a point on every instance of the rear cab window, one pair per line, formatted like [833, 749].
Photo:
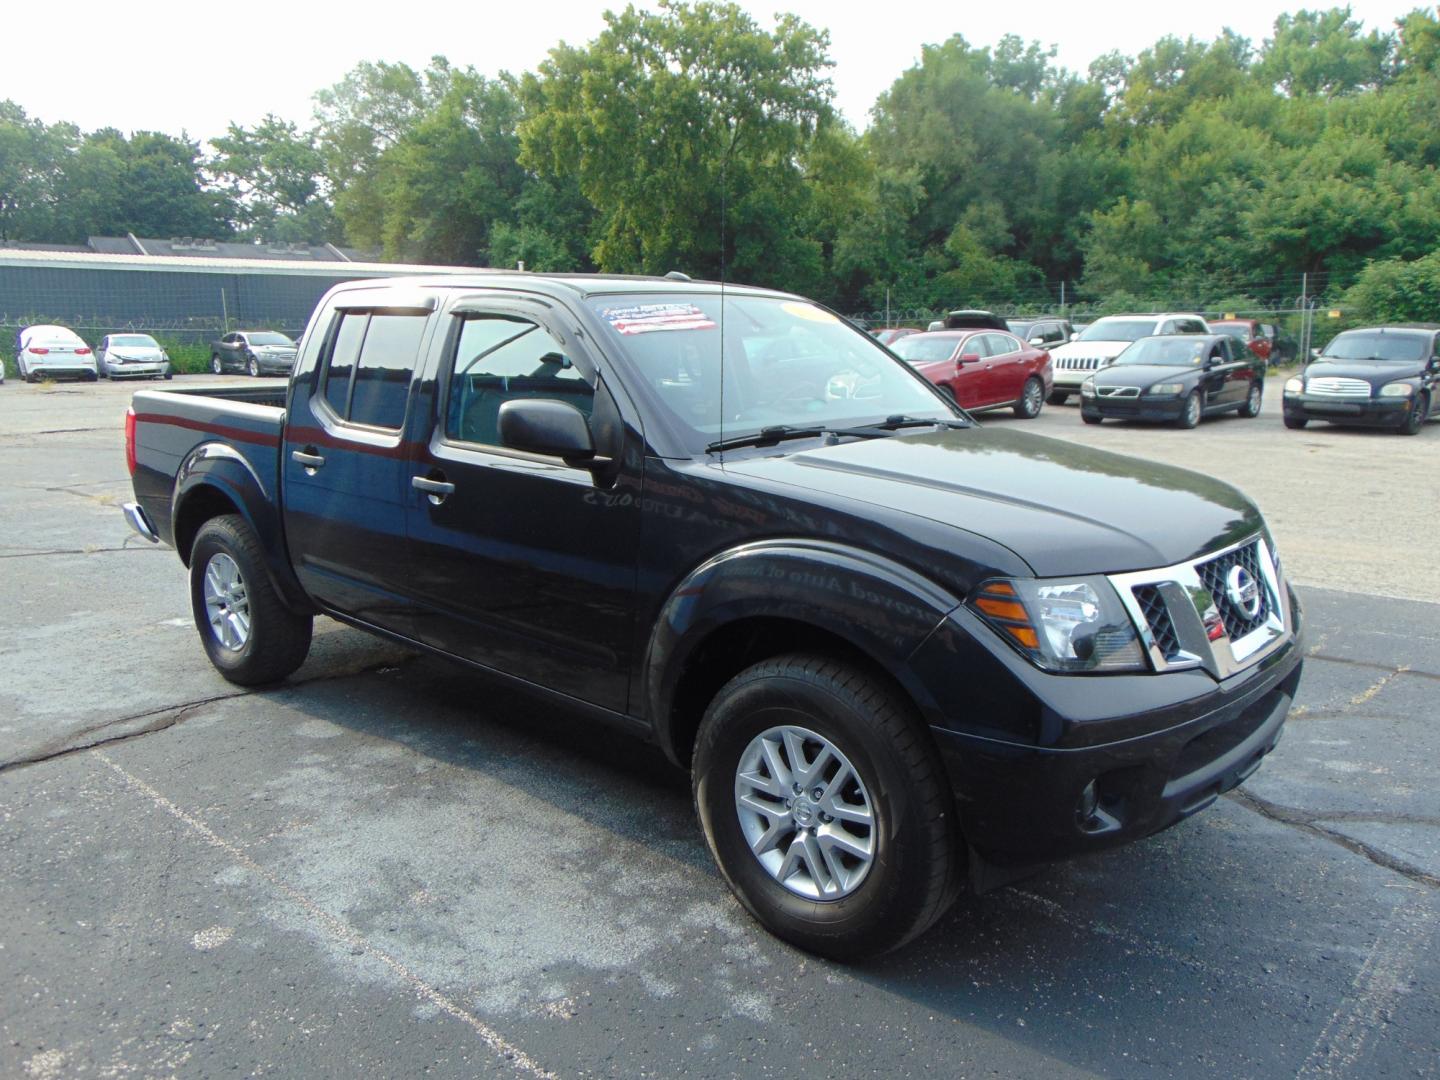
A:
[366, 373]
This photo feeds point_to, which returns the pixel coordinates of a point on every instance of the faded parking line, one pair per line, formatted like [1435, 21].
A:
[512, 1054]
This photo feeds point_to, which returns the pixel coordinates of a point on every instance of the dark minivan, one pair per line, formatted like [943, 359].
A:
[1381, 376]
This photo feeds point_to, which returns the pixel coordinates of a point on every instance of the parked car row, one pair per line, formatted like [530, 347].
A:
[54, 352]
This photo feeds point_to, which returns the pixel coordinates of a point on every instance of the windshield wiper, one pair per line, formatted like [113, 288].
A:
[769, 436]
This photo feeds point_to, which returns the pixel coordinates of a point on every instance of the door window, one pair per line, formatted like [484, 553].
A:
[500, 358]
[976, 345]
[1000, 344]
[367, 375]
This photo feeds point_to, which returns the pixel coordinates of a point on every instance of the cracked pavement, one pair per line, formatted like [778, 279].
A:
[387, 866]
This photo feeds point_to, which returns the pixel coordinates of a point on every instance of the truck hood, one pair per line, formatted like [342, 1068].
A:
[1063, 508]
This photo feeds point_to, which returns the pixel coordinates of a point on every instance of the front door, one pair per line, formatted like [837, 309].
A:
[521, 562]
[1007, 368]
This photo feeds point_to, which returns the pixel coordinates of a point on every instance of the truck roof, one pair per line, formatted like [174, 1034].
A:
[575, 285]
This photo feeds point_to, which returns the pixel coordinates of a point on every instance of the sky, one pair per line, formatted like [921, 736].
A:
[197, 67]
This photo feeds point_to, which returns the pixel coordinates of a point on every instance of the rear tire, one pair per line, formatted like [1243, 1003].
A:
[763, 732]
[216, 367]
[249, 635]
[1032, 399]
[1253, 400]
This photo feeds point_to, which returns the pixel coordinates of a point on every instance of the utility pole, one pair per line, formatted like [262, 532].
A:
[1062, 296]
[887, 307]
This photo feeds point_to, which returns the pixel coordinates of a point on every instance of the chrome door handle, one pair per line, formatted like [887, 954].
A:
[438, 490]
[306, 458]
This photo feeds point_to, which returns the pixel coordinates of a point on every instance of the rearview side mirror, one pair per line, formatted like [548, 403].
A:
[1037, 341]
[968, 358]
[552, 428]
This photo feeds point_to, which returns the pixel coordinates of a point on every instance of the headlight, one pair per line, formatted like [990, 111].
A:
[1295, 386]
[1087, 388]
[1166, 389]
[1062, 626]
[1397, 389]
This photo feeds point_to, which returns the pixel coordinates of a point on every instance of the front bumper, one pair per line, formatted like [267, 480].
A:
[1160, 409]
[1022, 806]
[1047, 765]
[1364, 412]
[1071, 378]
[135, 371]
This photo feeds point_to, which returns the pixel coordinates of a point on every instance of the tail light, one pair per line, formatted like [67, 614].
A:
[130, 440]
[39, 350]
[84, 350]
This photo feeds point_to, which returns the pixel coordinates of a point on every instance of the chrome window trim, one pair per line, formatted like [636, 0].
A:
[1190, 606]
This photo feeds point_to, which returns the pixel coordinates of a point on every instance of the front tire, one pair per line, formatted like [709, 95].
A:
[1191, 412]
[1091, 419]
[1296, 423]
[253, 368]
[249, 635]
[1058, 397]
[1416, 420]
[865, 856]
[1032, 400]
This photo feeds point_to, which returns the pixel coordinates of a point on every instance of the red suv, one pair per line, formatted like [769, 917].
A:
[981, 369]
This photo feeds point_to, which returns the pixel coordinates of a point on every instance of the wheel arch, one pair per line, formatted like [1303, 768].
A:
[215, 479]
[769, 598]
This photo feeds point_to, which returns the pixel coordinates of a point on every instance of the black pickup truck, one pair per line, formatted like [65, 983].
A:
[895, 649]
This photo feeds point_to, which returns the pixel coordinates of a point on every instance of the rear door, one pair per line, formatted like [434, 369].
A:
[343, 460]
[520, 562]
[1007, 366]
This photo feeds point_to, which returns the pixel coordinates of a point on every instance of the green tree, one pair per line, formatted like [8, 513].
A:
[275, 176]
[688, 130]
[1397, 291]
[1324, 53]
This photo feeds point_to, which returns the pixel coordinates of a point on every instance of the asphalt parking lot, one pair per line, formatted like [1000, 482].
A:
[387, 867]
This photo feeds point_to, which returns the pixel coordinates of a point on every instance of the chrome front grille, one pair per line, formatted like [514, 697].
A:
[1118, 391]
[1215, 574]
[1332, 386]
[1222, 612]
[1157, 617]
[1079, 363]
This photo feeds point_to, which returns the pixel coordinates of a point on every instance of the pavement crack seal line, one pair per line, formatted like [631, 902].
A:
[80, 551]
[168, 717]
[335, 927]
[1352, 662]
[1309, 823]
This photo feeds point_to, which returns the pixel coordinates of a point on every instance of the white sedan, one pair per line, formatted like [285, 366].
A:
[54, 351]
[137, 356]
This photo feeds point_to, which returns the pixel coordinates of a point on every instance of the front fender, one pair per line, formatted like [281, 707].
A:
[219, 467]
[880, 607]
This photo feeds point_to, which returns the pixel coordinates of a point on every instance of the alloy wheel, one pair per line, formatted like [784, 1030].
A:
[805, 812]
[227, 604]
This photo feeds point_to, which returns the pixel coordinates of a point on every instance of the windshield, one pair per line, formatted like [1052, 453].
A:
[268, 338]
[786, 363]
[1377, 345]
[1170, 351]
[923, 348]
[1240, 331]
[1118, 330]
[1019, 327]
[134, 341]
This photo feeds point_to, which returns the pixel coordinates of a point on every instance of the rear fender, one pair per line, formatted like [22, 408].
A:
[217, 467]
[880, 608]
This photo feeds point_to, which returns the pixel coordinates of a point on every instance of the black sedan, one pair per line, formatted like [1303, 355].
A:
[1176, 379]
[1383, 376]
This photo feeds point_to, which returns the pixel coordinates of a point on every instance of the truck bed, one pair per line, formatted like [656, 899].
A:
[171, 424]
